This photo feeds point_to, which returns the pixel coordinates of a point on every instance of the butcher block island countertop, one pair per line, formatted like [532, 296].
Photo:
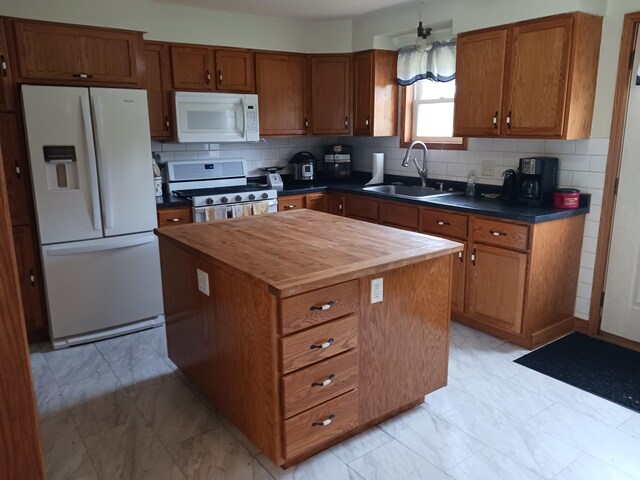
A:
[272, 319]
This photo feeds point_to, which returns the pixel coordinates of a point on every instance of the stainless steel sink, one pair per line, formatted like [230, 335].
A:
[409, 191]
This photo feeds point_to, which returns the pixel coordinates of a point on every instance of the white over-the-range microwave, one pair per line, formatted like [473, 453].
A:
[203, 117]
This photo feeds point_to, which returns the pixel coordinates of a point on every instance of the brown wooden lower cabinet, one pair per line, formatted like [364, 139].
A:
[31, 281]
[291, 202]
[168, 217]
[514, 280]
[316, 201]
[335, 203]
[305, 367]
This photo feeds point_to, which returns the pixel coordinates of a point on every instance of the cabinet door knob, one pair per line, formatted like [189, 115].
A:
[461, 257]
[495, 120]
[208, 75]
[324, 383]
[220, 75]
[326, 306]
[166, 121]
[509, 119]
[322, 346]
[366, 122]
[32, 277]
[3, 64]
[18, 170]
[324, 423]
[306, 123]
[346, 123]
[473, 256]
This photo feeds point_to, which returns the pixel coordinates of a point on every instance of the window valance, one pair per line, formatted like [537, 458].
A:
[436, 62]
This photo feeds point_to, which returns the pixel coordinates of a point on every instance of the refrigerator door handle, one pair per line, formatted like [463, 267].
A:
[104, 174]
[93, 174]
[99, 245]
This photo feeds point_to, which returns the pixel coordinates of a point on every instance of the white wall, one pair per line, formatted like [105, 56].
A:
[190, 25]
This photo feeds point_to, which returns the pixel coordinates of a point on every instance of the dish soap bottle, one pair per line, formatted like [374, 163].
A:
[471, 184]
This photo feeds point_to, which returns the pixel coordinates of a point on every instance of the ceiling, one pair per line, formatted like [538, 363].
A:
[298, 9]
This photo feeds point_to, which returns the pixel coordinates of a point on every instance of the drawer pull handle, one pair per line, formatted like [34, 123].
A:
[325, 383]
[326, 306]
[82, 75]
[442, 223]
[495, 233]
[460, 257]
[322, 346]
[324, 423]
[289, 206]
[173, 219]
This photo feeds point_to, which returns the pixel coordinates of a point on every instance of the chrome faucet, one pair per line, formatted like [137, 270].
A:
[421, 171]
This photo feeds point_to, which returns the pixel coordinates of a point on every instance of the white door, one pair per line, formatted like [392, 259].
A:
[100, 284]
[121, 127]
[621, 313]
[63, 166]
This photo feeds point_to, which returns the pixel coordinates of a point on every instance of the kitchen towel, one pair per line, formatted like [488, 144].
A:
[209, 214]
[237, 211]
[260, 208]
[246, 210]
[377, 168]
[220, 213]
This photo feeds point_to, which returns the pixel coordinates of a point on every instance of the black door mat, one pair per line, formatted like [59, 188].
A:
[593, 365]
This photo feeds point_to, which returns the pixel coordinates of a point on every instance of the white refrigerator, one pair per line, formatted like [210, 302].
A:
[91, 170]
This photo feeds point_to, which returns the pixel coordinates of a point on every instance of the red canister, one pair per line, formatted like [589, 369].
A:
[566, 198]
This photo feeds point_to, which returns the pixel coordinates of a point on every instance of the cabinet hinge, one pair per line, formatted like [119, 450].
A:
[632, 57]
[615, 186]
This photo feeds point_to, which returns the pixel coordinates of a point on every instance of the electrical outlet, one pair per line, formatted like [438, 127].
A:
[203, 281]
[487, 168]
[376, 290]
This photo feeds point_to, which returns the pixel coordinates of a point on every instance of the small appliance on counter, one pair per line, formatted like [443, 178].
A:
[274, 180]
[537, 180]
[337, 161]
[304, 166]
[566, 198]
[509, 184]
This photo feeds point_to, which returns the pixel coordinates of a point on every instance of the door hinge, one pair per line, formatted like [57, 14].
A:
[615, 186]
[632, 57]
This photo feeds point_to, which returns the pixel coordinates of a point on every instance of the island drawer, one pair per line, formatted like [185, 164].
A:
[320, 424]
[312, 308]
[174, 216]
[316, 344]
[320, 382]
[443, 223]
[501, 234]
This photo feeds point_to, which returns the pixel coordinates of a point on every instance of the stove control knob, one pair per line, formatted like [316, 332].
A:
[224, 199]
[238, 198]
[265, 195]
[252, 197]
[209, 201]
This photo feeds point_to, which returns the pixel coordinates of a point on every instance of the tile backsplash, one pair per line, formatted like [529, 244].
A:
[582, 165]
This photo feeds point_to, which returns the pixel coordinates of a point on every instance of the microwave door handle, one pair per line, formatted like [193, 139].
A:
[93, 174]
[244, 118]
[104, 174]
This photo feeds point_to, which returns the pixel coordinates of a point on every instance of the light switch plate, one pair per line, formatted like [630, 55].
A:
[487, 168]
[376, 290]
[203, 281]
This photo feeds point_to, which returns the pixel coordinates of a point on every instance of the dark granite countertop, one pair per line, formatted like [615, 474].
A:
[460, 203]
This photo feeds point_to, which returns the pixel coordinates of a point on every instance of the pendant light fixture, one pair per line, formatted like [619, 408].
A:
[423, 33]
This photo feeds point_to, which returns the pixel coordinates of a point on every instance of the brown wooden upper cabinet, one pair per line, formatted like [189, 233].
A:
[70, 54]
[331, 94]
[530, 79]
[7, 102]
[234, 70]
[198, 67]
[192, 68]
[375, 92]
[158, 82]
[282, 87]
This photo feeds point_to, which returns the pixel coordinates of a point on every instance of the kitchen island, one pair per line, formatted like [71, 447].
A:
[273, 318]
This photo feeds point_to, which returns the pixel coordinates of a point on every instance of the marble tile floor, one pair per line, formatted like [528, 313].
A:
[119, 409]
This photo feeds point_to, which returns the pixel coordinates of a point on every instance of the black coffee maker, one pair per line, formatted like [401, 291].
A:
[538, 177]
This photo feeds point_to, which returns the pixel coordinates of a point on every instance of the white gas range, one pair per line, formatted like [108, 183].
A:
[218, 189]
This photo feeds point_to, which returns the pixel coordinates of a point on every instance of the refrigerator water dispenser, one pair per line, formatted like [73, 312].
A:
[62, 167]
